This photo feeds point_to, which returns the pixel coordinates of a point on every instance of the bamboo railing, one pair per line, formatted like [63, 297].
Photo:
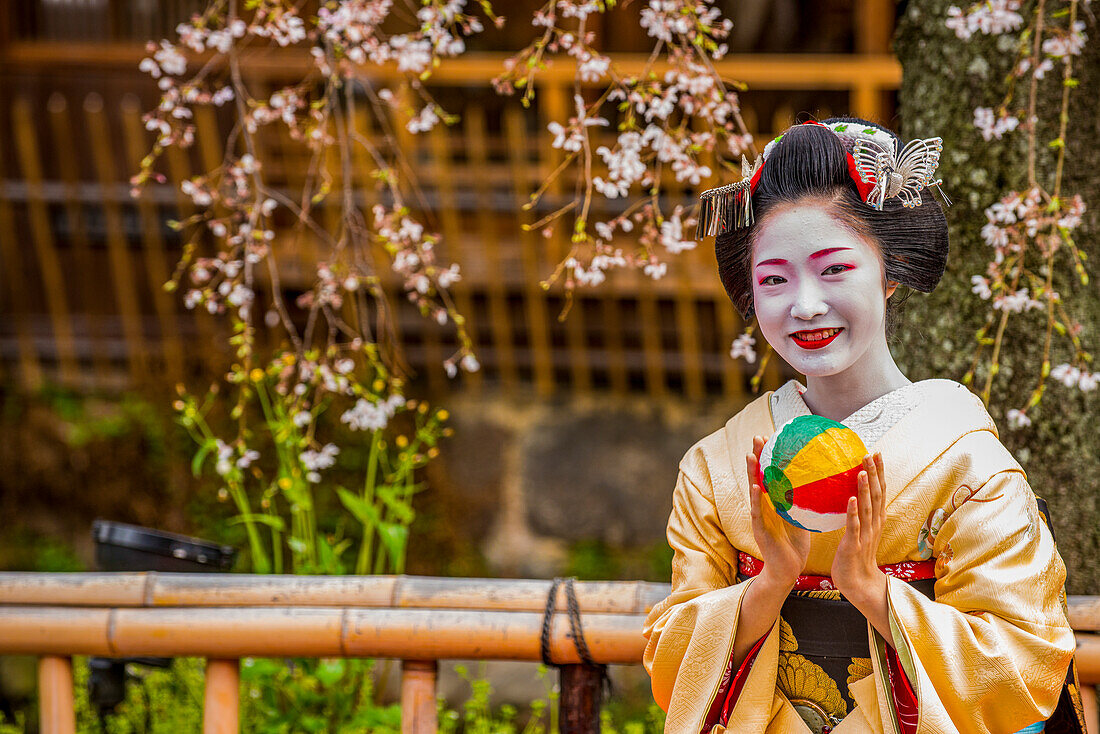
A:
[82, 264]
[419, 620]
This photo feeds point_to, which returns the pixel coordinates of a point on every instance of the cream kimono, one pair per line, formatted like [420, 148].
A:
[990, 654]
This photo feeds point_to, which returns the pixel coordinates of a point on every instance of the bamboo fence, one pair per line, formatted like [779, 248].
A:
[419, 620]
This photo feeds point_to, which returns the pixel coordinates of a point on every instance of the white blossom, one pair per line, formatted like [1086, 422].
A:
[742, 348]
[224, 465]
[424, 121]
[992, 17]
[1068, 44]
[1066, 374]
[317, 460]
[655, 270]
[366, 415]
[980, 287]
[247, 458]
[593, 68]
[992, 126]
[1017, 419]
[411, 54]
[672, 235]
[572, 9]
[449, 277]
[1016, 302]
[1088, 381]
[240, 295]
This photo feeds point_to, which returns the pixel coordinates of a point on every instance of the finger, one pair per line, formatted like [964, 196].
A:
[881, 472]
[872, 485]
[864, 507]
[878, 493]
[754, 509]
[758, 446]
[851, 524]
[752, 469]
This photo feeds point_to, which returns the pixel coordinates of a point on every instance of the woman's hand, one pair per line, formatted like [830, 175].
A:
[783, 547]
[855, 566]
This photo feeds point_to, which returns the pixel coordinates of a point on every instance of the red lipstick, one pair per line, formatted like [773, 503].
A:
[815, 339]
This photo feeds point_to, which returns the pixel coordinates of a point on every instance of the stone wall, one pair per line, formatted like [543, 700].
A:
[524, 485]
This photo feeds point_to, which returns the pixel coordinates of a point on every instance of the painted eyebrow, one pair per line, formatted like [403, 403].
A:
[827, 251]
[814, 256]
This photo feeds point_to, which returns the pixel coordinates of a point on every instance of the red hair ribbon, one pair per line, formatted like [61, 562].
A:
[864, 187]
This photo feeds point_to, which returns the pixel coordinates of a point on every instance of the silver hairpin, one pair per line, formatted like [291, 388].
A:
[901, 175]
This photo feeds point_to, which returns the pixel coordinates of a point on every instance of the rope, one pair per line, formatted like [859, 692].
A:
[576, 631]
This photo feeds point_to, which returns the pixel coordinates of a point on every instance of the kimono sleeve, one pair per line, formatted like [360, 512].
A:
[991, 652]
[690, 634]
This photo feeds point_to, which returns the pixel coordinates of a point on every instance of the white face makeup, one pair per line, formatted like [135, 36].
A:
[818, 290]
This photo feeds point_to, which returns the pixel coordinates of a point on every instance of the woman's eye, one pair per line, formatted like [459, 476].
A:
[772, 280]
[836, 269]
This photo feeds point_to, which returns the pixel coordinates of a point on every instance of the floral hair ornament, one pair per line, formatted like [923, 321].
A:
[878, 170]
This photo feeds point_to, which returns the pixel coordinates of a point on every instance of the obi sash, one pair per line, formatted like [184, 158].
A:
[823, 645]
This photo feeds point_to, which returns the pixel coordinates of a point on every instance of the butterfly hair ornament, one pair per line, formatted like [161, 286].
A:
[877, 168]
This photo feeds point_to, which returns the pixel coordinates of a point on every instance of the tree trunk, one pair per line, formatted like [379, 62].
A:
[944, 79]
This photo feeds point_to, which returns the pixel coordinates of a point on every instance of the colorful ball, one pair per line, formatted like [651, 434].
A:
[809, 469]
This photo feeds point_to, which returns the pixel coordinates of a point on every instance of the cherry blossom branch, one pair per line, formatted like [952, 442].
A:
[1035, 223]
[663, 119]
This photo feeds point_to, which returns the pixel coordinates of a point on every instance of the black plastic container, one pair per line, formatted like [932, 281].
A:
[123, 547]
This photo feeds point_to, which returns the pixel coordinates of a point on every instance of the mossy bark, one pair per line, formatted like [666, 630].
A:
[944, 79]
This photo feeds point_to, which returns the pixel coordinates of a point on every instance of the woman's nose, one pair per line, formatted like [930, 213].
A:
[808, 303]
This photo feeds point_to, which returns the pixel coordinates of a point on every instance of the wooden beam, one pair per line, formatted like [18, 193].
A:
[771, 71]
[55, 693]
[221, 697]
[418, 708]
[580, 699]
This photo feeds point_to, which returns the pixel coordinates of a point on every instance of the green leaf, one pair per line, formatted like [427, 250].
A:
[329, 672]
[396, 503]
[363, 511]
[259, 669]
[329, 555]
[311, 722]
[272, 521]
[200, 456]
[395, 539]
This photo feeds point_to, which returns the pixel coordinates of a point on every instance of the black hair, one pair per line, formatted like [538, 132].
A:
[810, 164]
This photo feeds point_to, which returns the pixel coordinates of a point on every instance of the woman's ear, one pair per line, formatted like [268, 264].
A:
[891, 286]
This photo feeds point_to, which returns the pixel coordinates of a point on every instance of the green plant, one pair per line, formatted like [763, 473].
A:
[158, 701]
[18, 726]
[479, 717]
[272, 471]
[329, 695]
[652, 721]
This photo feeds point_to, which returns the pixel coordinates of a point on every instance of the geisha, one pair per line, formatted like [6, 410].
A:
[939, 606]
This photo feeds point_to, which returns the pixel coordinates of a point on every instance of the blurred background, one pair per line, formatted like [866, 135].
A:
[565, 443]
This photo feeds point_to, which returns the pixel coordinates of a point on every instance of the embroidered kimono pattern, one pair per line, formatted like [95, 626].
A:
[816, 677]
[989, 653]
